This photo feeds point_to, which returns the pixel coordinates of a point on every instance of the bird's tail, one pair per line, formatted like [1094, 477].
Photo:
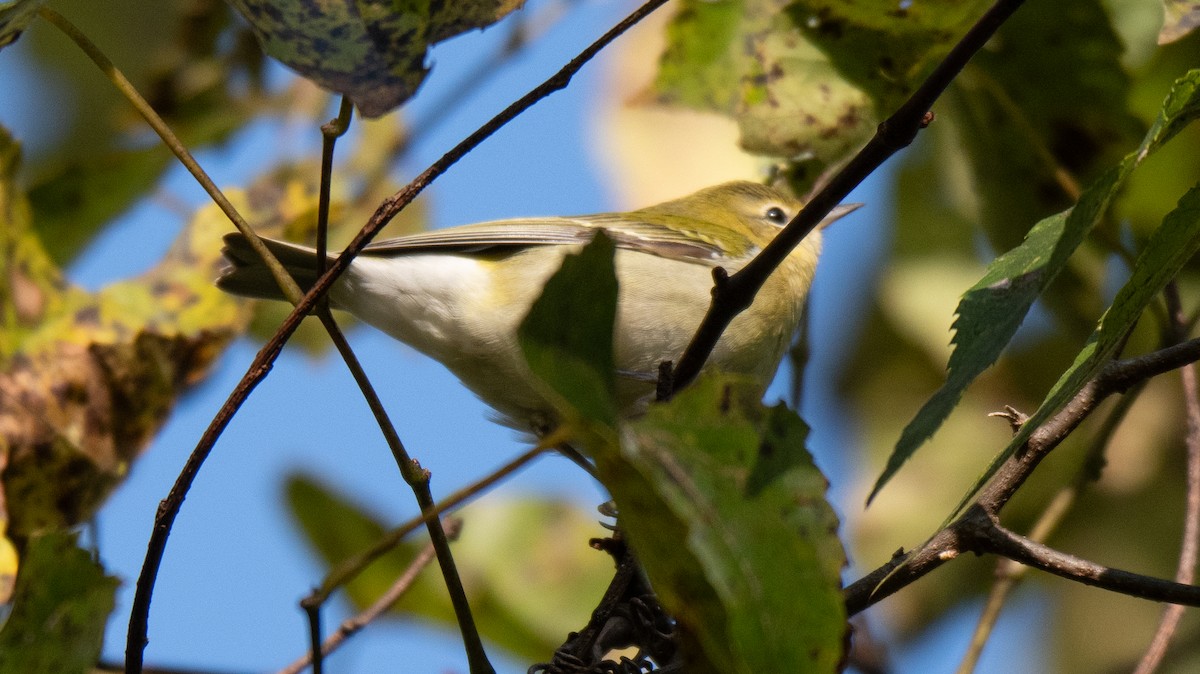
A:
[245, 274]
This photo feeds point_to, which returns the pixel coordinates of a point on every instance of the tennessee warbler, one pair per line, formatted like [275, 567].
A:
[459, 294]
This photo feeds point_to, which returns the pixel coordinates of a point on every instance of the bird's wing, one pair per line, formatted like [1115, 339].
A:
[501, 236]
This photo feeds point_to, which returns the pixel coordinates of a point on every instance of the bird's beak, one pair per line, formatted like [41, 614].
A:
[837, 213]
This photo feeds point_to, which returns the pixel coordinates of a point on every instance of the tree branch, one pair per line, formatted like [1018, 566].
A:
[958, 536]
[418, 479]
[1009, 573]
[893, 134]
[983, 533]
[351, 567]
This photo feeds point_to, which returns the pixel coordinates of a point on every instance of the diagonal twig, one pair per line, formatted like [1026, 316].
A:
[387, 600]
[1009, 573]
[733, 294]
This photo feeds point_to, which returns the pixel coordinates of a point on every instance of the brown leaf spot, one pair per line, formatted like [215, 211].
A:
[28, 300]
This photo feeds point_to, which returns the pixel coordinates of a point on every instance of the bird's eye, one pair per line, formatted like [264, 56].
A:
[776, 215]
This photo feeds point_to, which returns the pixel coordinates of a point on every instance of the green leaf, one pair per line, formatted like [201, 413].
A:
[526, 565]
[567, 336]
[726, 511]
[60, 606]
[747, 59]
[883, 49]
[992, 310]
[370, 50]
[698, 67]
[197, 66]
[805, 78]
[1026, 143]
[1171, 246]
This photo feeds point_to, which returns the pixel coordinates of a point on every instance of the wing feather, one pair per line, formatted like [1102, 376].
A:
[505, 235]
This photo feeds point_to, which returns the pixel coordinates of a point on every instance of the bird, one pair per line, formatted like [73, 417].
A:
[459, 294]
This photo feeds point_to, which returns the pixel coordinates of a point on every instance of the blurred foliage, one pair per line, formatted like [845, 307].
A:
[199, 71]
[86, 379]
[1014, 141]
[991, 310]
[60, 607]
[1181, 18]
[806, 81]
[15, 15]
[525, 564]
[1058, 98]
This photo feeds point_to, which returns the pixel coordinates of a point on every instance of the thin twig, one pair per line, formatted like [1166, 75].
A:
[385, 602]
[168, 509]
[1009, 573]
[330, 132]
[418, 479]
[1185, 571]
[893, 134]
[352, 566]
[136, 637]
[313, 613]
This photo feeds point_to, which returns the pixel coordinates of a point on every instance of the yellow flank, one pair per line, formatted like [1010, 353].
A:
[459, 294]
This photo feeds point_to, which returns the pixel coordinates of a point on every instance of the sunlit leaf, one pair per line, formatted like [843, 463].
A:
[883, 47]
[86, 379]
[804, 79]
[370, 50]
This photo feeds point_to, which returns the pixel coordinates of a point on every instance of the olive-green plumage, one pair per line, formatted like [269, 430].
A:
[459, 294]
